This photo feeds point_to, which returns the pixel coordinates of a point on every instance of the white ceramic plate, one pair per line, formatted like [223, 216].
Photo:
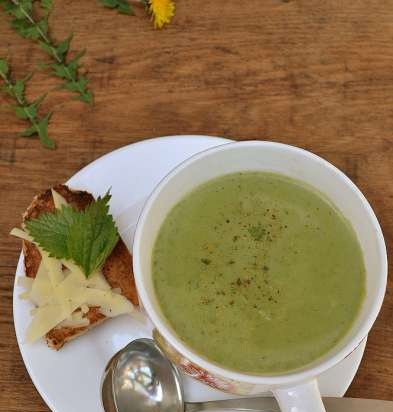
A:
[69, 380]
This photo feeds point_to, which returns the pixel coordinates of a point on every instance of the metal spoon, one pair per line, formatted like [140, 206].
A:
[140, 378]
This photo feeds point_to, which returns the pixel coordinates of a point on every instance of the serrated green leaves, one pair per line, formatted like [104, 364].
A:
[122, 6]
[42, 130]
[30, 131]
[86, 237]
[46, 6]
[22, 112]
[25, 110]
[63, 47]
[18, 8]
[19, 89]
[49, 230]
[27, 26]
[28, 111]
[69, 72]
[30, 30]
[3, 68]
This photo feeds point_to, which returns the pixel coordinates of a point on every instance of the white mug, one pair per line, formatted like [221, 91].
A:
[298, 390]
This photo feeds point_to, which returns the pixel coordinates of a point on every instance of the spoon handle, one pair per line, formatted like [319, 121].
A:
[259, 404]
[267, 404]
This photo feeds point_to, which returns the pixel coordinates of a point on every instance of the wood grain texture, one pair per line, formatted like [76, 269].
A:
[313, 74]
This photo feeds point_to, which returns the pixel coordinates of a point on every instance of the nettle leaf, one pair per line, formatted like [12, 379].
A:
[50, 231]
[4, 68]
[19, 89]
[60, 70]
[21, 112]
[77, 85]
[108, 3]
[125, 8]
[30, 131]
[47, 48]
[46, 5]
[27, 26]
[25, 110]
[72, 86]
[63, 47]
[43, 26]
[26, 5]
[86, 97]
[122, 6]
[73, 64]
[25, 29]
[94, 236]
[19, 9]
[14, 11]
[83, 82]
[43, 132]
[86, 237]
[31, 111]
[7, 89]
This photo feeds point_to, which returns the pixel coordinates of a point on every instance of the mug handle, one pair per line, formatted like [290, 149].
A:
[304, 397]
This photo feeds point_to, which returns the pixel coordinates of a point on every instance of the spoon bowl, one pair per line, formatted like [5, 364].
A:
[140, 378]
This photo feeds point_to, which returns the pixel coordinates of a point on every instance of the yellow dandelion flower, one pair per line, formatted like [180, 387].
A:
[161, 12]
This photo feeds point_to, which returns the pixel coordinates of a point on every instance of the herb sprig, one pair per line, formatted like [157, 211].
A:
[86, 237]
[122, 6]
[24, 109]
[28, 27]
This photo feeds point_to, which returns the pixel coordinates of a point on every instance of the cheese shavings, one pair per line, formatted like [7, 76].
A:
[41, 292]
[62, 295]
[58, 199]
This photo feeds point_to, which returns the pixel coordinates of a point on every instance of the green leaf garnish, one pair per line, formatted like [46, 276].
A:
[122, 6]
[47, 6]
[24, 109]
[25, 23]
[86, 237]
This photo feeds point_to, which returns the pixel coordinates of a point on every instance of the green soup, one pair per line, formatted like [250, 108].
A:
[258, 272]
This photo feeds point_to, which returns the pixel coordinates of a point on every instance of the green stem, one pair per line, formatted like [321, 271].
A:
[42, 34]
[48, 41]
[21, 102]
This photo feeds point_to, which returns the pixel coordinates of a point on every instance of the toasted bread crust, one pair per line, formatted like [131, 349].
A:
[117, 268]
[57, 337]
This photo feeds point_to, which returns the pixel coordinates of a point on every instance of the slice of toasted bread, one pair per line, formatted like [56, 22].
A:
[117, 268]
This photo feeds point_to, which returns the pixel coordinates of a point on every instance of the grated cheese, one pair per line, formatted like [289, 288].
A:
[21, 234]
[45, 318]
[76, 320]
[58, 199]
[41, 291]
[53, 267]
[111, 304]
[25, 282]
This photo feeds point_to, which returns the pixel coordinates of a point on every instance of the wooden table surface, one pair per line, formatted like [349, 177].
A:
[314, 74]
